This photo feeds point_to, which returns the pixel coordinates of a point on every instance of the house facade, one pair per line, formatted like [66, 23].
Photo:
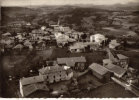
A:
[55, 73]
[76, 63]
[123, 61]
[100, 72]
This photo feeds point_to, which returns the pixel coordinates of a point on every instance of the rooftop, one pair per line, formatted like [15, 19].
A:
[117, 70]
[120, 56]
[114, 43]
[80, 45]
[29, 89]
[31, 80]
[18, 46]
[70, 61]
[98, 68]
[51, 69]
[77, 46]
[107, 61]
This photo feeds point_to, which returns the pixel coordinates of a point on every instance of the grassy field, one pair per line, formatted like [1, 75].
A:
[111, 90]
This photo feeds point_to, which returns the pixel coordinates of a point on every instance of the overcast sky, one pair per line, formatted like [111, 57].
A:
[62, 2]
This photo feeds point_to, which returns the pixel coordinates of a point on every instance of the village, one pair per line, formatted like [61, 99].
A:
[55, 60]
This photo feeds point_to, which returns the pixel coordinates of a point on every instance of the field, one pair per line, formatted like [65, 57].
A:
[111, 90]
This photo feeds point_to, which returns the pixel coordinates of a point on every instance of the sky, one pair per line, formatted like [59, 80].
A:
[62, 2]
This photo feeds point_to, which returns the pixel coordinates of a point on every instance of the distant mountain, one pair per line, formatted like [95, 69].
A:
[129, 6]
[13, 11]
[10, 14]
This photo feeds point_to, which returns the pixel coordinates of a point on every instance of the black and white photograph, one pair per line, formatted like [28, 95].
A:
[69, 49]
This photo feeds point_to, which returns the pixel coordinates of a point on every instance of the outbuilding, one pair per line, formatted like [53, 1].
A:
[30, 85]
[100, 72]
[117, 70]
[76, 63]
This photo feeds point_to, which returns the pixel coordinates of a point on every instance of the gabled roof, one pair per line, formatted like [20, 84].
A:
[98, 68]
[27, 43]
[31, 80]
[107, 61]
[51, 69]
[114, 44]
[6, 34]
[79, 45]
[77, 33]
[120, 56]
[117, 70]
[70, 61]
[131, 33]
[29, 89]
[18, 46]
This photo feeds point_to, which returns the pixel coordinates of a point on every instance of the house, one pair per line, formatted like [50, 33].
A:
[117, 70]
[79, 47]
[93, 46]
[41, 45]
[97, 38]
[99, 71]
[30, 85]
[106, 62]
[76, 63]
[57, 28]
[47, 38]
[18, 47]
[20, 37]
[66, 29]
[33, 37]
[37, 31]
[53, 24]
[103, 23]
[123, 61]
[61, 28]
[76, 35]
[112, 56]
[50, 63]
[131, 34]
[113, 44]
[17, 23]
[57, 34]
[28, 44]
[43, 28]
[55, 73]
[28, 24]
[61, 42]
[117, 59]
[117, 22]
[7, 41]
[63, 39]
[6, 34]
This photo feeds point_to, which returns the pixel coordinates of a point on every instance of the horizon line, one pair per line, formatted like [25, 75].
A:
[64, 5]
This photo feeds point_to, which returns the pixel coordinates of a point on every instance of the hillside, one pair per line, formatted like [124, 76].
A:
[79, 18]
[130, 6]
[12, 11]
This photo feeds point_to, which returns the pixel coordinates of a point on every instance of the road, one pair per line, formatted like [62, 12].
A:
[127, 86]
